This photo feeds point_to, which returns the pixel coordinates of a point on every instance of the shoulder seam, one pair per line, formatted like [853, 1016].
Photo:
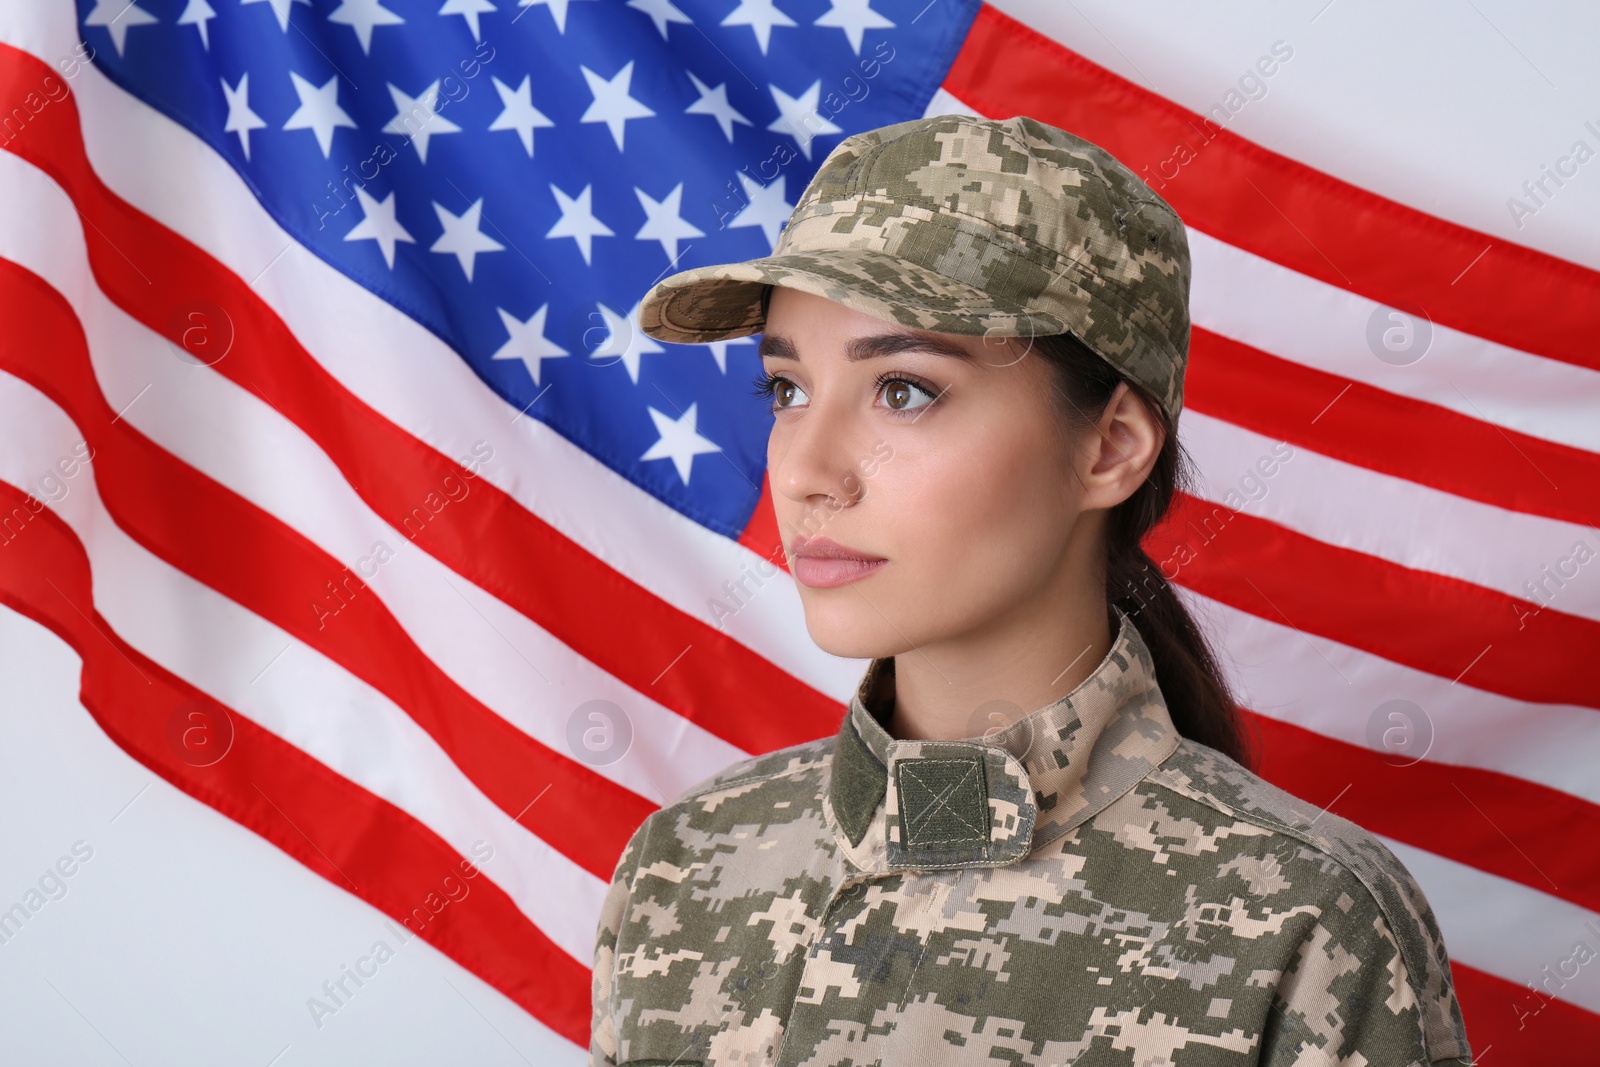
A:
[1414, 975]
[1271, 824]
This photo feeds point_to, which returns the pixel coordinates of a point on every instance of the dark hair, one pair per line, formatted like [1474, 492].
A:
[1198, 698]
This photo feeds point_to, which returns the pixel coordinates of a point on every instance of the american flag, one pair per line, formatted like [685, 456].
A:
[330, 447]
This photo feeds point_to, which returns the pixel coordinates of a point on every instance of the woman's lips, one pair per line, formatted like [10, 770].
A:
[823, 573]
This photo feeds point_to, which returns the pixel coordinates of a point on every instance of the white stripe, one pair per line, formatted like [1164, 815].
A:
[1291, 315]
[1509, 930]
[944, 102]
[1337, 691]
[354, 335]
[500, 656]
[1542, 560]
[252, 666]
[1296, 317]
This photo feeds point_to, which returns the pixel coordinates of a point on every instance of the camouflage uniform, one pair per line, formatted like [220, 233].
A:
[866, 901]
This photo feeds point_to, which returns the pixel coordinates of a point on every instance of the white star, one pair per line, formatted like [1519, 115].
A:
[797, 116]
[380, 225]
[625, 341]
[661, 12]
[519, 113]
[471, 9]
[765, 206]
[419, 117]
[241, 120]
[577, 220]
[612, 104]
[714, 102]
[665, 222]
[528, 342]
[461, 236]
[719, 350]
[280, 8]
[198, 13]
[362, 16]
[118, 17]
[679, 442]
[558, 11]
[760, 16]
[319, 110]
[854, 17]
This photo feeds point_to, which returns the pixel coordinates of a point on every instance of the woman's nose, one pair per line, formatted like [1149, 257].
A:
[817, 456]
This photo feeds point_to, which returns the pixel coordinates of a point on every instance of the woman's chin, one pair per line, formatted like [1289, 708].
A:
[855, 637]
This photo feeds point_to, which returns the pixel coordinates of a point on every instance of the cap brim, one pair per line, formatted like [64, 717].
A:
[722, 301]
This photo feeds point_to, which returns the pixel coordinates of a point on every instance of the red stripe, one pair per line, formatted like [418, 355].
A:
[1424, 620]
[1396, 435]
[1524, 1028]
[1285, 211]
[357, 841]
[760, 534]
[675, 658]
[224, 541]
[1508, 826]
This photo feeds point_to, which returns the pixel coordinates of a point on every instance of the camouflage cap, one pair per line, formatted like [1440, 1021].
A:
[965, 225]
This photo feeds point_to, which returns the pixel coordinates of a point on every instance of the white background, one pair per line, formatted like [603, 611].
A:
[186, 939]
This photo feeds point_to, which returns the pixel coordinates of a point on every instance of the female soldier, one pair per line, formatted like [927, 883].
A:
[1034, 838]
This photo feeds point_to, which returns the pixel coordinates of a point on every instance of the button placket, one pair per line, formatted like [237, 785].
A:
[849, 890]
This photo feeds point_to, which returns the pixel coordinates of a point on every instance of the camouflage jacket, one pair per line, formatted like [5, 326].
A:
[1005, 899]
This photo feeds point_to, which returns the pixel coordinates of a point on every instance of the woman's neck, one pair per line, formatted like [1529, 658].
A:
[986, 682]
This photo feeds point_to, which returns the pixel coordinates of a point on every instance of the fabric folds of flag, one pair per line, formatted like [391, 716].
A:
[329, 443]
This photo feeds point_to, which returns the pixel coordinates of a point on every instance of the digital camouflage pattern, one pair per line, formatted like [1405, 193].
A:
[956, 224]
[1083, 887]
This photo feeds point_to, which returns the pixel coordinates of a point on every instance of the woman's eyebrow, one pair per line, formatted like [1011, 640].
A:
[774, 346]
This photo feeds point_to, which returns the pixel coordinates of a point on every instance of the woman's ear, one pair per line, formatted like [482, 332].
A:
[1127, 438]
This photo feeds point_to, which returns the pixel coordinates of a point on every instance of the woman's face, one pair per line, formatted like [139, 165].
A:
[944, 457]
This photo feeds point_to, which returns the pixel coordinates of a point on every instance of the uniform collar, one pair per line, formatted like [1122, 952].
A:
[989, 800]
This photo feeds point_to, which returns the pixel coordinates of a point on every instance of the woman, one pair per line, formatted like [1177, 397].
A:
[1034, 838]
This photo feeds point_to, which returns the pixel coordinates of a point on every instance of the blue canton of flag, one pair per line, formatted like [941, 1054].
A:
[515, 177]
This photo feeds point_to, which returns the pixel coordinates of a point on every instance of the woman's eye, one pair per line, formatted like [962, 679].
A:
[778, 390]
[787, 394]
[902, 394]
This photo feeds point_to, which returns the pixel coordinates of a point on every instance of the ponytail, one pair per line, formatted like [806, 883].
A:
[1198, 698]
